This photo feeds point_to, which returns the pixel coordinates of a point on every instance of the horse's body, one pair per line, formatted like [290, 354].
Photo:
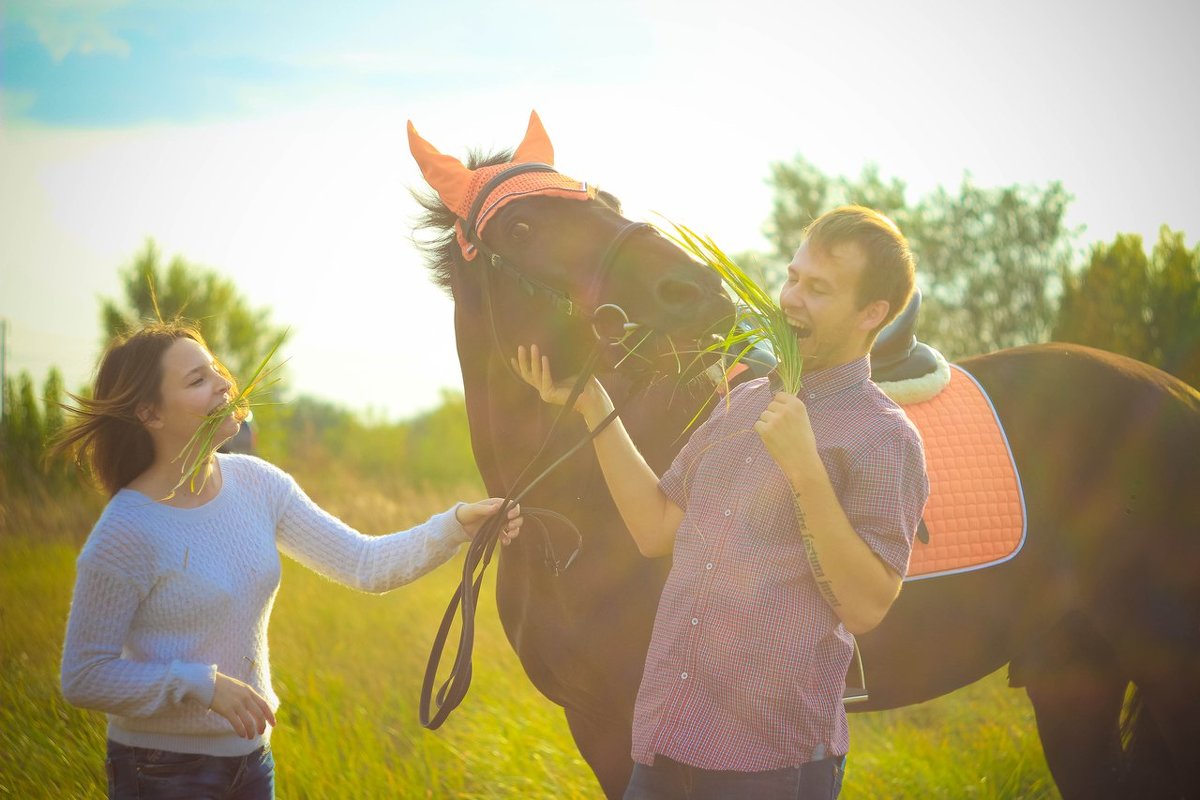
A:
[1105, 592]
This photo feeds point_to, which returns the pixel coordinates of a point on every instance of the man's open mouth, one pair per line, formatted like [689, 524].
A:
[802, 331]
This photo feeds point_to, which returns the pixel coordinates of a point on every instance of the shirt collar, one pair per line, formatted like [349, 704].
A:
[824, 382]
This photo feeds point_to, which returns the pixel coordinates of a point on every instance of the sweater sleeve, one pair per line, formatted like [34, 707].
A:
[94, 673]
[326, 545]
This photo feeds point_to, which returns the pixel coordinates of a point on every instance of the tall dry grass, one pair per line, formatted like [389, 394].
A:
[347, 667]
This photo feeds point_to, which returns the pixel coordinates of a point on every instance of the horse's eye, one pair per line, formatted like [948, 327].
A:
[519, 231]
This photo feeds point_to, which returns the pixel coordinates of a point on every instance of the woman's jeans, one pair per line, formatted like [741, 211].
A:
[670, 780]
[136, 773]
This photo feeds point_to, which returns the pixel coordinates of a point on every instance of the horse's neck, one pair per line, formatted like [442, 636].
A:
[507, 420]
[475, 352]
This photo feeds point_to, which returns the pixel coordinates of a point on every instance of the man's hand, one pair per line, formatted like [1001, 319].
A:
[244, 708]
[534, 368]
[787, 432]
[472, 516]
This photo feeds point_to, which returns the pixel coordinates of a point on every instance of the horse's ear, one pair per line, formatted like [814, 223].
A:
[446, 174]
[536, 144]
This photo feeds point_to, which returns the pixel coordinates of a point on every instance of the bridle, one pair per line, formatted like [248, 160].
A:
[561, 300]
[483, 545]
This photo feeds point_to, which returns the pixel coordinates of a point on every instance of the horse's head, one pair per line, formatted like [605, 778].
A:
[546, 259]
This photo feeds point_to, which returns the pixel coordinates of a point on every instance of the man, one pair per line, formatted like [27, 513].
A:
[790, 520]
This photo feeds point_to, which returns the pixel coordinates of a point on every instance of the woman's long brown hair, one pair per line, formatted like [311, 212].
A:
[103, 430]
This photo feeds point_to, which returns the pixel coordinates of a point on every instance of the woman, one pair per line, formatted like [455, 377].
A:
[168, 625]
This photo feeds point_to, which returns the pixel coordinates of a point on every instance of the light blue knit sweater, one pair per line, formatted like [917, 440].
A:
[167, 597]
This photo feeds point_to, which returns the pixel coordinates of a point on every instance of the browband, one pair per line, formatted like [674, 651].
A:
[491, 186]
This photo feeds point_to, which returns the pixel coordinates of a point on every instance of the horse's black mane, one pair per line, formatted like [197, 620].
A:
[433, 229]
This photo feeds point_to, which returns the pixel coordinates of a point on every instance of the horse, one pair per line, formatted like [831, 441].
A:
[1104, 594]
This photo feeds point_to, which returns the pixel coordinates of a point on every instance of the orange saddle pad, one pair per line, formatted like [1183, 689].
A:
[976, 511]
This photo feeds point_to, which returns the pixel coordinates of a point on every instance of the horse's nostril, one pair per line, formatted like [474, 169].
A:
[674, 294]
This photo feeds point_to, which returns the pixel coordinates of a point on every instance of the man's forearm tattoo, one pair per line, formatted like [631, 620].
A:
[810, 549]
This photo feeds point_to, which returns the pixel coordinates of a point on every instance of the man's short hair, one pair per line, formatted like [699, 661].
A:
[890, 271]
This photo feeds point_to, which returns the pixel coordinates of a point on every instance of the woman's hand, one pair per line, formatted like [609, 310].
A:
[472, 516]
[244, 708]
[534, 369]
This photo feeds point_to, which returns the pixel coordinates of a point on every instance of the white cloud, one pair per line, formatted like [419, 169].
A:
[66, 26]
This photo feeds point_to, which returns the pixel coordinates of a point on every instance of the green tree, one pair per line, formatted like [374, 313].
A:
[802, 193]
[1107, 304]
[23, 431]
[1175, 300]
[991, 261]
[31, 431]
[438, 444]
[29, 427]
[53, 419]
[239, 335]
[1143, 306]
[430, 449]
[988, 260]
[53, 392]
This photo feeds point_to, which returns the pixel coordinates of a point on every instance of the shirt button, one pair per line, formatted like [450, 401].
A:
[812, 396]
[683, 676]
[708, 565]
[749, 459]
[728, 512]
[695, 621]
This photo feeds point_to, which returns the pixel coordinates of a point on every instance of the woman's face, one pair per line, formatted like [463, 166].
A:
[192, 388]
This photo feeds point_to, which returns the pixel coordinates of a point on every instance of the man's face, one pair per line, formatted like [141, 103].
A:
[820, 300]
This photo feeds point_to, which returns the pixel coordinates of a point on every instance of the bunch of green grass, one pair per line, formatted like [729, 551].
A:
[203, 443]
[759, 320]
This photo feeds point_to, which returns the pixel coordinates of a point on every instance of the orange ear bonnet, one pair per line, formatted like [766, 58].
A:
[475, 195]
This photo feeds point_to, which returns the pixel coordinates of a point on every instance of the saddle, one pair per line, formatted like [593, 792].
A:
[908, 371]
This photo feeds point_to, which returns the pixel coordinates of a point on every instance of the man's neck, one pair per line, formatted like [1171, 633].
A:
[815, 364]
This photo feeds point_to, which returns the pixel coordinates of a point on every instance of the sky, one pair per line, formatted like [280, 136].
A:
[266, 141]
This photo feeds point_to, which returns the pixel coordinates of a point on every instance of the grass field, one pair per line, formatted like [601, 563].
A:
[348, 666]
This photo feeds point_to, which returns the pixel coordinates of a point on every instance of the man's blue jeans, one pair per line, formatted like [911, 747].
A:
[670, 780]
[136, 773]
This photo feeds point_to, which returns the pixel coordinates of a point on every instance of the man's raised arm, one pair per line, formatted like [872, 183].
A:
[652, 518]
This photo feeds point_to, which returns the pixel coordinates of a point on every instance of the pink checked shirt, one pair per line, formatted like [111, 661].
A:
[747, 662]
